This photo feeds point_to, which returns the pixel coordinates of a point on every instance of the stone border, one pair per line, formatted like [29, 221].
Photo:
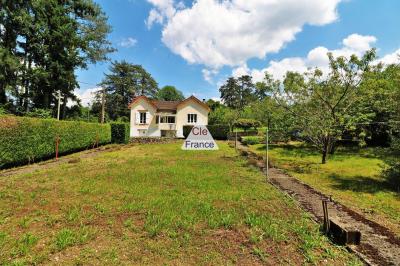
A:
[147, 140]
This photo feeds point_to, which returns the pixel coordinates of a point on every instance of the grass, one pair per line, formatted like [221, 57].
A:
[351, 176]
[156, 204]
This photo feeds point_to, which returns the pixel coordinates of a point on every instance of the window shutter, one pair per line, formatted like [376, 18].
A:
[147, 118]
[137, 118]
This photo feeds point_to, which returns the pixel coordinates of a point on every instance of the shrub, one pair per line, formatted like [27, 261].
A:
[246, 124]
[39, 113]
[119, 132]
[24, 139]
[252, 140]
[219, 132]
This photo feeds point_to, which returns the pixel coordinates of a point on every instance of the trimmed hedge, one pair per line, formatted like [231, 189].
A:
[252, 140]
[119, 133]
[24, 140]
[219, 132]
[247, 124]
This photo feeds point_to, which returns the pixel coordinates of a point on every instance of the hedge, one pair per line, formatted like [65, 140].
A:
[247, 124]
[24, 140]
[219, 132]
[119, 133]
[252, 140]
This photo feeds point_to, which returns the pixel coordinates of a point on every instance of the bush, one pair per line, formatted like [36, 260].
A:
[246, 124]
[119, 132]
[252, 140]
[24, 140]
[219, 132]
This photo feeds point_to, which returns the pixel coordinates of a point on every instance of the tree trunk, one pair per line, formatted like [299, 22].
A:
[325, 150]
[324, 153]
[3, 97]
[332, 149]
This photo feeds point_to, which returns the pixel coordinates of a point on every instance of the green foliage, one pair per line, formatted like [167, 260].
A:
[246, 124]
[45, 42]
[219, 131]
[324, 106]
[24, 140]
[119, 132]
[169, 93]
[125, 82]
[392, 173]
[252, 140]
[39, 113]
[237, 93]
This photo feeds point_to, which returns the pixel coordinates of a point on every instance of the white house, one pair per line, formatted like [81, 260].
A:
[151, 118]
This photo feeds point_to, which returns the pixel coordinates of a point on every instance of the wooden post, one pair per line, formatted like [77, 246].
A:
[59, 105]
[57, 146]
[326, 216]
[236, 140]
[267, 154]
[103, 103]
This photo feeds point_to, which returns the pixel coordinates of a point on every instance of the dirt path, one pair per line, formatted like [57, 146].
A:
[379, 246]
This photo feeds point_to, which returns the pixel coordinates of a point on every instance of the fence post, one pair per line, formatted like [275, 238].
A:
[267, 154]
[236, 140]
[57, 146]
[326, 216]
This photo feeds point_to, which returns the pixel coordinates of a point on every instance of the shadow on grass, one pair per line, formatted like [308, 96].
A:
[361, 184]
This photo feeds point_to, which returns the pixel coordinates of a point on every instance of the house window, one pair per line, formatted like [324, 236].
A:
[142, 118]
[167, 119]
[171, 119]
[192, 118]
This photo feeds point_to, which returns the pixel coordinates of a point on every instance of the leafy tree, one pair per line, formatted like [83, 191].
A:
[237, 93]
[125, 82]
[247, 124]
[325, 105]
[213, 104]
[266, 88]
[42, 43]
[169, 93]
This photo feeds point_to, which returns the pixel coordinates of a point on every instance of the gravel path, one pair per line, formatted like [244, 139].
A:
[379, 246]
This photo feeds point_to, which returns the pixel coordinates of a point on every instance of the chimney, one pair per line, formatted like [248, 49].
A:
[204, 100]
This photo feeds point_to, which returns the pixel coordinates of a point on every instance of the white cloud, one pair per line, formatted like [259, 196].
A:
[128, 42]
[317, 57]
[393, 58]
[87, 96]
[163, 9]
[218, 33]
[208, 75]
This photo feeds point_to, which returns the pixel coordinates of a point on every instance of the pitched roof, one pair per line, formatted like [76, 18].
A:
[168, 105]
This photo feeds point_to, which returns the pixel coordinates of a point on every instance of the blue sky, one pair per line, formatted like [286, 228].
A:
[238, 37]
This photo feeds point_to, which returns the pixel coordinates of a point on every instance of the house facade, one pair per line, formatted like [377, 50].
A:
[152, 118]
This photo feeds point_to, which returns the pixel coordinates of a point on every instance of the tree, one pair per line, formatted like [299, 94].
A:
[169, 93]
[42, 43]
[237, 93]
[325, 105]
[266, 88]
[213, 104]
[125, 82]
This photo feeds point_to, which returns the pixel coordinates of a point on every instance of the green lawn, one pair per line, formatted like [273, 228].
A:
[156, 204]
[352, 176]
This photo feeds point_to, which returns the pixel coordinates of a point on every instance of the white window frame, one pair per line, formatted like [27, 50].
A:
[192, 118]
